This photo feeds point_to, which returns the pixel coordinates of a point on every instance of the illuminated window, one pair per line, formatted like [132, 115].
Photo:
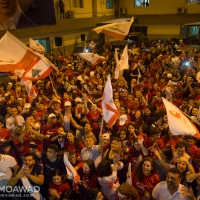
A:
[109, 4]
[193, 1]
[141, 3]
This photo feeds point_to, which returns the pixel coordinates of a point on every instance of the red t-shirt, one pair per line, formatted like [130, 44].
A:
[22, 149]
[5, 134]
[148, 183]
[89, 181]
[148, 142]
[93, 117]
[72, 147]
[60, 188]
[194, 152]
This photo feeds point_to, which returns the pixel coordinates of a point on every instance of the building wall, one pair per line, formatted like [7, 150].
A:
[87, 11]
[162, 17]
[160, 7]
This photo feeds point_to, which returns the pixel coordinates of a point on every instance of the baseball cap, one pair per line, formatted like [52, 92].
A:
[20, 99]
[67, 103]
[9, 83]
[51, 115]
[123, 119]
[92, 73]
[58, 101]
[78, 100]
[27, 105]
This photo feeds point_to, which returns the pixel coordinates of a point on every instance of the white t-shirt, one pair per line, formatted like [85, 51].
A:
[161, 192]
[6, 163]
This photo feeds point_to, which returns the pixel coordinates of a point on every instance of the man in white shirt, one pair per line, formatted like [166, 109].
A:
[6, 164]
[11, 16]
[14, 120]
[171, 189]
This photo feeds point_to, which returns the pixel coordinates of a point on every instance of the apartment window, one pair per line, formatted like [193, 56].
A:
[141, 3]
[109, 4]
[193, 1]
[78, 3]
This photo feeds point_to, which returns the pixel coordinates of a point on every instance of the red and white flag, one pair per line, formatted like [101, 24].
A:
[179, 124]
[118, 30]
[15, 55]
[35, 46]
[71, 172]
[122, 63]
[93, 58]
[110, 112]
[92, 44]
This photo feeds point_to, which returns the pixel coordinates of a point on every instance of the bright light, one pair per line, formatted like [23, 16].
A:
[86, 50]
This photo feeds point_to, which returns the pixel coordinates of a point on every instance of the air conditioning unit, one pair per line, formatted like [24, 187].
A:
[181, 10]
[123, 11]
[71, 13]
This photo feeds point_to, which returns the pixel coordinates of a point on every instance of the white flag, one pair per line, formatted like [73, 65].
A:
[71, 172]
[35, 46]
[122, 63]
[110, 112]
[179, 124]
[117, 30]
[92, 57]
[15, 55]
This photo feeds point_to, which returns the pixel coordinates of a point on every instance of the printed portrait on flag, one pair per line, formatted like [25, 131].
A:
[16, 14]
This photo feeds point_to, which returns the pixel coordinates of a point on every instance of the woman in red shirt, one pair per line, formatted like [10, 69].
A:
[72, 143]
[88, 177]
[57, 186]
[137, 119]
[144, 176]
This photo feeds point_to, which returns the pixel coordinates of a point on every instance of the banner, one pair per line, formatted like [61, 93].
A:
[118, 30]
[92, 58]
[179, 124]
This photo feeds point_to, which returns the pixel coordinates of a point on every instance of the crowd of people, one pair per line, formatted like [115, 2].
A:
[139, 158]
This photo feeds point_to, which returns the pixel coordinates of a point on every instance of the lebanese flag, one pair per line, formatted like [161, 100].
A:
[15, 55]
[122, 63]
[39, 69]
[110, 112]
[35, 46]
[179, 124]
[92, 44]
[93, 58]
[118, 30]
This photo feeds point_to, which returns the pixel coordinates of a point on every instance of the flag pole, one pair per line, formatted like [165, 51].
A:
[101, 129]
[53, 86]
